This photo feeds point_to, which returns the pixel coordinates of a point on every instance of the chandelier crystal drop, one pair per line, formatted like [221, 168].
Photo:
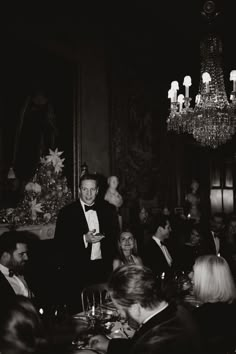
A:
[212, 121]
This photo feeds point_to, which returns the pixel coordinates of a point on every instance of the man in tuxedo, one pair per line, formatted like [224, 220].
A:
[157, 254]
[13, 258]
[215, 239]
[163, 327]
[86, 233]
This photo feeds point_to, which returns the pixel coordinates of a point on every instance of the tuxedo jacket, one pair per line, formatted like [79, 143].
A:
[225, 250]
[6, 290]
[154, 258]
[217, 324]
[71, 226]
[171, 331]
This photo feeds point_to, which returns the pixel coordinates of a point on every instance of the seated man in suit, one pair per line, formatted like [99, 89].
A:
[13, 258]
[86, 234]
[157, 253]
[215, 241]
[163, 327]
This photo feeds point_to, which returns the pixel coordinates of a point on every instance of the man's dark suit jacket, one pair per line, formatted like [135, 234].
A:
[154, 258]
[225, 249]
[72, 225]
[171, 331]
[217, 324]
[6, 291]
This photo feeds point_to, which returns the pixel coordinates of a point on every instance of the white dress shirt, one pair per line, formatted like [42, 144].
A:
[217, 243]
[17, 282]
[164, 250]
[93, 224]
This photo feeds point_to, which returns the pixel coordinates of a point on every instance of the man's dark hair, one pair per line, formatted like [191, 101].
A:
[131, 284]
[9, 240]
[88, 176]
[158, 220]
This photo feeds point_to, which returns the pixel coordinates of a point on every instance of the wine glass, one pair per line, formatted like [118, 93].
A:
[83, 328]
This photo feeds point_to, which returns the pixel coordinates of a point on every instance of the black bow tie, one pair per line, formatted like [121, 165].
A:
[89, 207]
[12, 273]
[163, 243]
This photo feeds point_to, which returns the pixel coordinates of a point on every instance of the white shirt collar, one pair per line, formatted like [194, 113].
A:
[157, 240]
[155, 313]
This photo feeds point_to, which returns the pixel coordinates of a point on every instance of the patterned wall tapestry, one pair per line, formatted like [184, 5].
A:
[134, 148]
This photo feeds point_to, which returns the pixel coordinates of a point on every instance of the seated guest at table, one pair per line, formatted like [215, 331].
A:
[216, 234]
[86, 233]
[21, 329]
[215, 241]
[214, 286]
[127, 250]
[230, 237]
[13, 258]
[231, 233]
[164, 328]
[192, 247]
[141, 221]
[159, 253]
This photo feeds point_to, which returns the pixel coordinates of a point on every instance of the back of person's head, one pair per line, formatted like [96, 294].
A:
[213, 280]
[21, 330]
[131, 284]
[10, 239]
[88, 176]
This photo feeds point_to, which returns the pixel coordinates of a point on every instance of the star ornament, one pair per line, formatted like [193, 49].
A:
[59, 165]
[36, 207]
[54, 157]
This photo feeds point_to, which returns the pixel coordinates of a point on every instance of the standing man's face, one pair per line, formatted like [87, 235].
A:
[18, 258]
[88, 191]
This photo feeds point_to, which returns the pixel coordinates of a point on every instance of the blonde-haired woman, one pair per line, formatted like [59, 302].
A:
[214, 287]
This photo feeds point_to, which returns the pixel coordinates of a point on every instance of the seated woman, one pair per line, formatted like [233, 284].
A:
[214, 286]
[127, 250]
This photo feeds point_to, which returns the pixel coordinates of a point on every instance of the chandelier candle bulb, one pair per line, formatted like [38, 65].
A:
[180, 101]
[171, 95]
[206, 78]
[175, 88]
[197, 99]
[187, 83]
[233, 78]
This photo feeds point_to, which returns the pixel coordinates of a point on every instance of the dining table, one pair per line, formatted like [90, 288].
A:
[70, 333]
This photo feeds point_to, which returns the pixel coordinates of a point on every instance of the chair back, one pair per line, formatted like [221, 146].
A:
[94, 295]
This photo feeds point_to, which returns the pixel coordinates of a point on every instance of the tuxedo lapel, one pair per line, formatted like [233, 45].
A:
[161, 256]
[6, 290]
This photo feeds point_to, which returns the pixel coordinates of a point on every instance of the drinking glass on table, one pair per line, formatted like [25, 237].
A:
[94, 311]
[83, 329]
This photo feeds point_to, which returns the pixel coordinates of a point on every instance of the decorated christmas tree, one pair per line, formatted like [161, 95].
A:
[44, 195]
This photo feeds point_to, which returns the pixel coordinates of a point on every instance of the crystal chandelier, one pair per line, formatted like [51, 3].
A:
[212, 121]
